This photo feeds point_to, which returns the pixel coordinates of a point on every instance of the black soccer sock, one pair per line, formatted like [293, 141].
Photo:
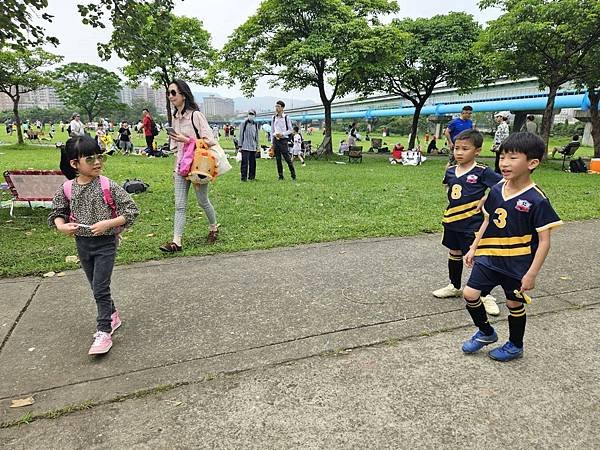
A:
[455, 268]
[479, 316]
[516, 325]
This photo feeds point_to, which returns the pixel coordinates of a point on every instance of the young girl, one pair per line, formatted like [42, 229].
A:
[82, 207]
[297, 146]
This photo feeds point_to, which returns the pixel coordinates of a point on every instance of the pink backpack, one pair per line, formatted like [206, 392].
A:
[105, 184]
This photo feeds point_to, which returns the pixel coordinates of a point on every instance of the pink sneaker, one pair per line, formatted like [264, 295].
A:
[115, 321]
[102, 343]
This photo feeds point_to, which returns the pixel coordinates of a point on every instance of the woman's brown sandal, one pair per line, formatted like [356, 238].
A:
[212, 236]
[170, 247]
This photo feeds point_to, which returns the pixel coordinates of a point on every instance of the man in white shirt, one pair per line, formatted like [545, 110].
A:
[281, 129]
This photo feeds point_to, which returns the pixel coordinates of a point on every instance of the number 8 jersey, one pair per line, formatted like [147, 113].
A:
[464, 193]
[511, 237]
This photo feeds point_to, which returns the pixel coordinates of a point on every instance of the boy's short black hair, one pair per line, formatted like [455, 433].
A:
[467, 108]
[524, 142]
[473, 136]
[575, 137]
[296, 129]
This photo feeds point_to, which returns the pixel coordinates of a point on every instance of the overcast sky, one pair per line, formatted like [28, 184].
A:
[220, 18]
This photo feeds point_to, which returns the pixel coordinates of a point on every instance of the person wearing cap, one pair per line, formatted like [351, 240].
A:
[248, 142]
[501, 134]
[281, 129]
[76, 126]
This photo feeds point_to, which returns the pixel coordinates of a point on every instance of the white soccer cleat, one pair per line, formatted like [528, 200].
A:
[448, 291]
[489, 303]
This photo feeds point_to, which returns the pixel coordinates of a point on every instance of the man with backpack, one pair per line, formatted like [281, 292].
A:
[248, 142]
[150, 130]
[281, 129]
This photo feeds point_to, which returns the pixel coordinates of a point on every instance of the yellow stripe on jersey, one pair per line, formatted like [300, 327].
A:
[514, 240]
[460, 208]
[519, 251]
[550, 226]
[466, 215]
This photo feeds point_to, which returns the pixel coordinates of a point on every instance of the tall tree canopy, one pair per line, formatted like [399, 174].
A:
[90, 88]
[410, 57]
[22, 71]
[16, 28]
[302, 43]
[548, 39]
[155, 43]
[588, 77]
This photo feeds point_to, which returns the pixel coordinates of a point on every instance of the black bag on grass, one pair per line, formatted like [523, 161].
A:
[135, 186]
[577, 166]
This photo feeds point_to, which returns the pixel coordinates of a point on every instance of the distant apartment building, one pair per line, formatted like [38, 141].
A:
[42, 98]
[145, 93]
[218, 107]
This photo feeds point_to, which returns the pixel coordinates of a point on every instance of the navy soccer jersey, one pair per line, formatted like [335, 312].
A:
[464, 193]
[511, 238]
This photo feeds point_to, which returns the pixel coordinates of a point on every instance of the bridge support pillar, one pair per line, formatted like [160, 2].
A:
[585, 117]
[519, 120]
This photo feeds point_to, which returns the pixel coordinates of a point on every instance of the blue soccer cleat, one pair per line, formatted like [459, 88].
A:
[478, 341]
[507, 352]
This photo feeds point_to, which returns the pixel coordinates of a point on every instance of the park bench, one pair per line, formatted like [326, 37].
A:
[33, 185]
[355, 153]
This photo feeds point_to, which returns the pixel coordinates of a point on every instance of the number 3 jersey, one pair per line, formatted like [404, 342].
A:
[510, 240]
[464, 193]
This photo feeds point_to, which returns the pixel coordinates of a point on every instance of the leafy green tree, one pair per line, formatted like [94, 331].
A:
[16, 29]
[302, 43]
[588, 76]
[164, 47]
[410, 57]
[91, 88]
[548, 39]
[22, 71]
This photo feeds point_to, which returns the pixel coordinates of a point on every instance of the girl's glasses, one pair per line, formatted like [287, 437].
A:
[173, 93]
[91, 159]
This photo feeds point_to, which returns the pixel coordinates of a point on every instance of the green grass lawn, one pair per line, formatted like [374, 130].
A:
[330, 201]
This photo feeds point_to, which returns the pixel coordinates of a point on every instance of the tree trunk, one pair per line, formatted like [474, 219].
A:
[166, 82]
[415, 124]
[328, 148]
[594, 96]
[16, 99]
[548, 116]
[169, 112]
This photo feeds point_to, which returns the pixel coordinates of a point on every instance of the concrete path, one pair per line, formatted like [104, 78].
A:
[320, 346]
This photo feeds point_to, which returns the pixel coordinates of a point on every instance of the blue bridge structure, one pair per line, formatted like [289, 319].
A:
[521, 97]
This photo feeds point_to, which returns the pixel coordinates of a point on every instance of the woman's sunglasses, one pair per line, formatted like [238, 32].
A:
[93, 158]
[173, 93]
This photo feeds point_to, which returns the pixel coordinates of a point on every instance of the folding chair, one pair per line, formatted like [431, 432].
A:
[33, 185]
[306, 148]
[355, 153]
[375, 144]
[568, 151]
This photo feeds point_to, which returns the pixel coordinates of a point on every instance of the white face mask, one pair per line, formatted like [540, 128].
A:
[251, 116]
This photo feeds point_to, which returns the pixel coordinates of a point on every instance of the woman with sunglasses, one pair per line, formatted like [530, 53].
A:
[91, 207]
[188, 123]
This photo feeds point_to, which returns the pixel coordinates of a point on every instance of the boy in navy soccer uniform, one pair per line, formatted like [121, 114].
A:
[466, 183]
[511, 245]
